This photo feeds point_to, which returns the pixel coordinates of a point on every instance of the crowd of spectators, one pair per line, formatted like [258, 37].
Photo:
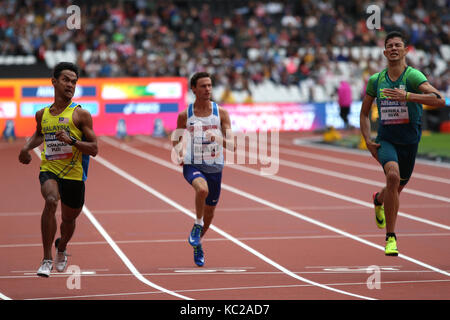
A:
[238, 41]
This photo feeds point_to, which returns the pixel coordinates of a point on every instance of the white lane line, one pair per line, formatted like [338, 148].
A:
[3, 297]
[356, 164]
[232, 209]
[264, 202]
[323, 171]
[349, 177]
[312, 143]
[271, 238]
[282, 180]
[120, 253]
[201, 271]
[240, 288]
[159, 195]
[328, 227]
[125, 259]
[336, 195]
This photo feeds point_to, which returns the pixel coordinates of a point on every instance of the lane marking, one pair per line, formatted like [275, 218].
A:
[82, 273]
[271, 238]
[125, 259]
[87, 271]
[232, 209]
[348, 177]
[275, 178]
[239, 288]
[211, 271]
[120, 253]
[152, 191]
[252, 197]
[337, 195]
[313, 145]
[357, 269]
[356, 164]
[333, 160]
[3, 297]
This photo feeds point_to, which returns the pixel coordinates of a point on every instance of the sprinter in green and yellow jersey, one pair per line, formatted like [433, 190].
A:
[66, 131]
[400, 90]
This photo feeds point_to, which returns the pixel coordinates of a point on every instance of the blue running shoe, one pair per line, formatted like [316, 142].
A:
[199, 257]
[194, 237]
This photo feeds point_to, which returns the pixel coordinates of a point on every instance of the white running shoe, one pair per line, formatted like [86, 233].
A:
[61, 260]
[45, 268]
[61, 257]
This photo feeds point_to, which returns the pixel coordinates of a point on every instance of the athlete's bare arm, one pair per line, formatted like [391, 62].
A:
[177, 137]
[364, 123]
[36, 140]
[227, 133]
[429, 96]
[82, 120]
[181, 125]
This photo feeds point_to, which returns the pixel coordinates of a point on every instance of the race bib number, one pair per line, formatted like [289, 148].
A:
[209, 151]
[393, 112]
[55, 149]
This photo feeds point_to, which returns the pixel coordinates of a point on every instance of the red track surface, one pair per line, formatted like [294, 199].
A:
[289, 248]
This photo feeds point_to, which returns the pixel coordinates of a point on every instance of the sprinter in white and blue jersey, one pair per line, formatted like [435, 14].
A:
[208, 131]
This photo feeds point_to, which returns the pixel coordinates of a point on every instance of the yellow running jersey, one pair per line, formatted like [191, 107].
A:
[64, 160]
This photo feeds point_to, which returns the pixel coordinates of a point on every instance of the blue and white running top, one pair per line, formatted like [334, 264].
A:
[201, 153]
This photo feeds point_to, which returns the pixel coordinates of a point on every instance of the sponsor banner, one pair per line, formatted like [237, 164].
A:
[140, 107]
[6, 92]
[333, 117]
[108, 124]
[138, 100]
[49, 92]
[29, 109]
[155, 90]
[8, 110]
[276, 116]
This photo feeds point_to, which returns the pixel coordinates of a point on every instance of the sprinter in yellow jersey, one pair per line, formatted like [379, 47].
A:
[66, 131]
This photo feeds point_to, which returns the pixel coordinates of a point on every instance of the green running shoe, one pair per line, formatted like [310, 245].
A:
[391, 246]
[379, 213]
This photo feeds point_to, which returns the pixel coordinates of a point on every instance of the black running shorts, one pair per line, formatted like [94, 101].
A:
[70, 191]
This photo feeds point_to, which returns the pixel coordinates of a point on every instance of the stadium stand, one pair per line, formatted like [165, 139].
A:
[263, 51]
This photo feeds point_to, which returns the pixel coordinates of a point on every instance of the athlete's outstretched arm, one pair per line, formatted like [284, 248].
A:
[36, 140]
[364, 124]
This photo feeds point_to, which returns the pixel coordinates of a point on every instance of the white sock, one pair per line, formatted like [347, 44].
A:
[199, 221]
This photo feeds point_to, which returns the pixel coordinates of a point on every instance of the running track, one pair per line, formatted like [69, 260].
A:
[307, 232]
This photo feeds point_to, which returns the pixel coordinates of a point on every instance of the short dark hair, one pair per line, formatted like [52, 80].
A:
[197, 76]
[64, 66]
[395, 34]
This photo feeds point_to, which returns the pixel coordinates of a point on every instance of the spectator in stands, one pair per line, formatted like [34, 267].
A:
[133, 39]
[345, 100]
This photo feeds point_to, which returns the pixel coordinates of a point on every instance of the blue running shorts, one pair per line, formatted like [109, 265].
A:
[214, 181]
